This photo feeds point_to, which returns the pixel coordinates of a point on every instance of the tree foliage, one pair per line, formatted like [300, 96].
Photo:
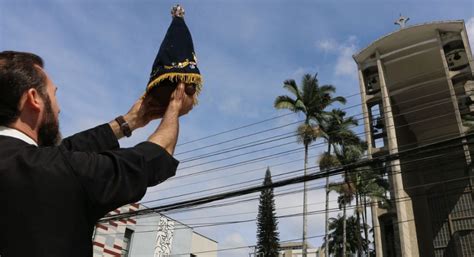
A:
[267, 224]
[311, 99]
[336, 235]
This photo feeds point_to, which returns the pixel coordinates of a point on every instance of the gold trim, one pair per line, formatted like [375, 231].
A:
[180, 65]
[183, 77]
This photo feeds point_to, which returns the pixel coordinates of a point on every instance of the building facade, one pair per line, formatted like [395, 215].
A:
[417, 92]
[295, 249]
[150, 236]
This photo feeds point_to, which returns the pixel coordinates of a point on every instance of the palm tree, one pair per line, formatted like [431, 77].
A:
[349, 151]
[337, 245]
[346, 193]
[311, 100]
[335, 129]
[371, 185]
[468, 121]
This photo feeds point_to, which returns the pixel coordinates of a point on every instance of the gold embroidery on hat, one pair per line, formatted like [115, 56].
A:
[180, 65]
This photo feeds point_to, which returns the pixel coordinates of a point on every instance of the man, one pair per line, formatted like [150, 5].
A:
[51, 196]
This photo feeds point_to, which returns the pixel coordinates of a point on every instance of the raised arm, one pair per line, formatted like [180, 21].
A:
[166, 135]
[121, 176]
[105, 137]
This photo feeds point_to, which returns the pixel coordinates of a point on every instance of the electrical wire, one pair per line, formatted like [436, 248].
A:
[293, 151]
[353, 106]
[430, 106]
[287, 114]
[456, 153]
[300, 179]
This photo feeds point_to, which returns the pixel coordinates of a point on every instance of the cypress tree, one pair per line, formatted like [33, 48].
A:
[267, 224]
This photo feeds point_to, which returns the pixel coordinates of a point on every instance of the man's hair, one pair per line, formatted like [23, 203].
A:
[18, 73]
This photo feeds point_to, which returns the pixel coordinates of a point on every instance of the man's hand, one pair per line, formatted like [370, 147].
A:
[166, 135]
[145, 110]
[180, 102]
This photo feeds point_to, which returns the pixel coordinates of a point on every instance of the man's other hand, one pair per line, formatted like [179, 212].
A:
[181, 102]
[143, 111]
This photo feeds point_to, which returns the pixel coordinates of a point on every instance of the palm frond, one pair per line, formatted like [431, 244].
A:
[307, 133]
[328, 161]
[300, 106]
[285, 102]
[339, 99]
[291, 86]
[327, 89]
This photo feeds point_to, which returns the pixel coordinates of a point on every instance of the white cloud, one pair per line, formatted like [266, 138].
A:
[231, 104]
[345, 65]
[470, 30]
[234, 240]
[327, 45]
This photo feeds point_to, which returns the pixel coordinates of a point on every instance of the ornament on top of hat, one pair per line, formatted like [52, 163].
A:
[175, 62]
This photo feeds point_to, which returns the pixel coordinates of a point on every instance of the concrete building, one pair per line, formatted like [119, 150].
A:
[149, 236]
[294, 249]
[417, 87]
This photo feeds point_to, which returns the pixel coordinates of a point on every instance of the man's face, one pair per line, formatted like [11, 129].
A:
[48, 133]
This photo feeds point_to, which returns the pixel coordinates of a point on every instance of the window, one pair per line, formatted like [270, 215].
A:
[377, 125]
[127, 241]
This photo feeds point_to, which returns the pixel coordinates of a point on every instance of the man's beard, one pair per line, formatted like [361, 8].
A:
[48, 133]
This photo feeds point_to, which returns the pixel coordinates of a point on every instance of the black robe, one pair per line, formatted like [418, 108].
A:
[51, 197]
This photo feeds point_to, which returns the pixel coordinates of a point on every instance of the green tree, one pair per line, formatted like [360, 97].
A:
[370, 185]
[267, 224]
[336, 238]
[348, 152]
[335, 129]
[468, 121]
[346, 195]
[311, 100]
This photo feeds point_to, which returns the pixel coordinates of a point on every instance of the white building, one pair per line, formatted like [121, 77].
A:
[294, 249]
[150, 236]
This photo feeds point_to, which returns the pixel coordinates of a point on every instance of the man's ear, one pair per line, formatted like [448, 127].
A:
[31, 99]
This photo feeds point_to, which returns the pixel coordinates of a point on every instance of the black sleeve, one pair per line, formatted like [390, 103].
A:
[98, 139]
[118, 177]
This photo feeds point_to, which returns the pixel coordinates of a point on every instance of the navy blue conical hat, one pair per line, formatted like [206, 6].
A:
[176, 60]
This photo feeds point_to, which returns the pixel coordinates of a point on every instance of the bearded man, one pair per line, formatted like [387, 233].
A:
[53, 192]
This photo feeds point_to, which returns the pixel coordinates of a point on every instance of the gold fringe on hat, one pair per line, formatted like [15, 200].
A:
[188, 78]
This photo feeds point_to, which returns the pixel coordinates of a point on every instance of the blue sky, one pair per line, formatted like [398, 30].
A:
[99, 53]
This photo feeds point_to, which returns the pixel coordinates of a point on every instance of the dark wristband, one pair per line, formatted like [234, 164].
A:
[124, 127]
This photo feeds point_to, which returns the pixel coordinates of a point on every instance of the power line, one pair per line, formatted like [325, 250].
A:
[228, 185]
[348, 207]
[330, 210]
[248, 125]
[193, 193]
[407, 124]
[286, 173]
[295, 180]
[237, 138]
[227, 176]
[345, 108]
[284, 136]
[251, 246]
[296, 134]
[297, 150]
[246, 153]
[287, 114]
